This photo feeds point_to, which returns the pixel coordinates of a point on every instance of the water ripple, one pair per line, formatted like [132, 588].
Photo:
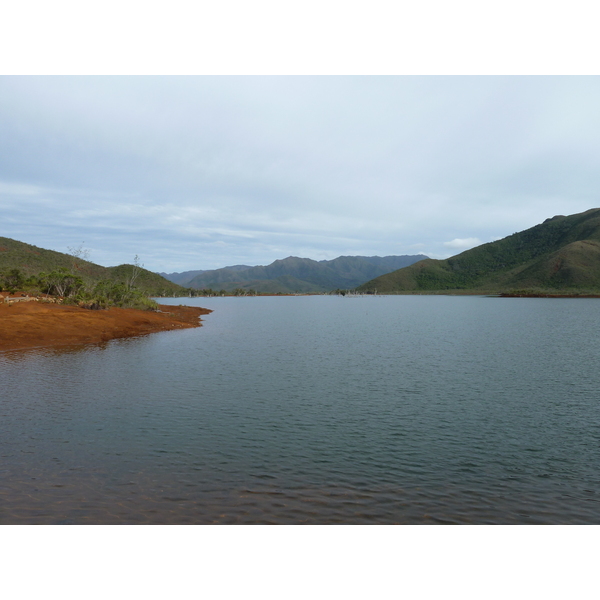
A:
[428, 410]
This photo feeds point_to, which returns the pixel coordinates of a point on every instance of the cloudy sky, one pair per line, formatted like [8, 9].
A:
[201, 172]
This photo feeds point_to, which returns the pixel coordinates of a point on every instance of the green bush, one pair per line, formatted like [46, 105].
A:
[108, 293]
[12, 280]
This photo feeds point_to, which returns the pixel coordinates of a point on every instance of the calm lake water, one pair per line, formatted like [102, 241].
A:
[397, 409]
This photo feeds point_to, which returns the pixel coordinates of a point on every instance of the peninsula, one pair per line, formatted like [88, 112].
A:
[49, 299]
[35, 324]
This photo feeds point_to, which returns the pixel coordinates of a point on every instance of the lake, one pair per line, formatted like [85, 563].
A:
[321, 409]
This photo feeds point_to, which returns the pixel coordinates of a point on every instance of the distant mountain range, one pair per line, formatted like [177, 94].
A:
[295, 274]
[187, 276]
[31, 260]
[561, 254]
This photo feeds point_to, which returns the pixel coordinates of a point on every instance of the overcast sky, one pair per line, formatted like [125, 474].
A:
[204, 172]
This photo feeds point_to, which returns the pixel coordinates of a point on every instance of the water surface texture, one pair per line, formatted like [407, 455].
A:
[397, 409]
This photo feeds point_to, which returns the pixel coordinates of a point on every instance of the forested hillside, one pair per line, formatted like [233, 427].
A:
[562, 254]
[24, 264]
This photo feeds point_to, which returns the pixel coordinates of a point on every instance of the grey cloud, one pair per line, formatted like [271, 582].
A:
[201, 172]
[462, 244]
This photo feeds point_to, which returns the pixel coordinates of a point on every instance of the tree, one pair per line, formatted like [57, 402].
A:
[78, 253]
[61, 283]
[136, 269]
[13, 280]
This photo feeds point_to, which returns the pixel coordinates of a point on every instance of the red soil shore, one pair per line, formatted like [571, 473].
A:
[37, 325]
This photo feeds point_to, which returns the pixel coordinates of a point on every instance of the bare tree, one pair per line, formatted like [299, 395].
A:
[78, 253]
[136, 269]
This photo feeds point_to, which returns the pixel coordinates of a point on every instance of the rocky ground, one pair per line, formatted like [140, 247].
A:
[34, 323]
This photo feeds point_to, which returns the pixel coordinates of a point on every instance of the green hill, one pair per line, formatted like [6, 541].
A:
[31, 260]
[295, 274]
[562, 255]
[185, 277]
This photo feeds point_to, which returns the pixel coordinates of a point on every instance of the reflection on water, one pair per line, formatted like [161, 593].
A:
[400, 409]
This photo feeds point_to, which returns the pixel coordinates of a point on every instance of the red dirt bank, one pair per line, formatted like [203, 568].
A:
[35, 324]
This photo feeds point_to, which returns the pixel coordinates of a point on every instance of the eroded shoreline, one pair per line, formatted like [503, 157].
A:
[29, 325]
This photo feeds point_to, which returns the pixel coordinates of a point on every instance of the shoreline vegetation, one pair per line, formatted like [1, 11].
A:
[487, 293]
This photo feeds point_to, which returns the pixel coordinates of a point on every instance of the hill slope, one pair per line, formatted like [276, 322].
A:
[180, 278]
[31, 260]
[185, 277]
[295, 274]
[562, 254]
